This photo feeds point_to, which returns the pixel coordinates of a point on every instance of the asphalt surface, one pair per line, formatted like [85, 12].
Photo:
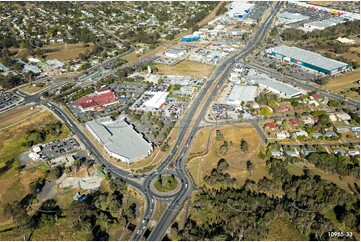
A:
[221, 73]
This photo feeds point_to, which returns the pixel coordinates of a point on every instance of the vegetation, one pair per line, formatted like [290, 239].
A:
[339, 164]
[166, 183]
[249, 213]
[219, 176]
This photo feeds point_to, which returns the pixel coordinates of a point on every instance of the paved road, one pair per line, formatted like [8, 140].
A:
[221, 73]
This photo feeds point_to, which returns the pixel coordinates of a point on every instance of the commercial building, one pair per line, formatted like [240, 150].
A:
[174, 53]
[238, 9]
[100, 99]
[308, 59]
[242, 93]
[54, 64]
[189, 38]
[119, 139]
[282, 89]
[322, 24]
[288, 17]
[156, 101]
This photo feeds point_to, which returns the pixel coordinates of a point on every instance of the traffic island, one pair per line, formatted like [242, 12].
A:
[165, 185]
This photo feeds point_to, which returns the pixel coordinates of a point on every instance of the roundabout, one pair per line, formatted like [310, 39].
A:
[165, 185]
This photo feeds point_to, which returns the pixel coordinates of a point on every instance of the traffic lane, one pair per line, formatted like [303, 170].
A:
[161, 224]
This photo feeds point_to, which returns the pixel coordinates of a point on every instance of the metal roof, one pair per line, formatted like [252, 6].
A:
[292, 17]
[175, 51]
[120, 138]
[276, 85]
[242, 93]
[327, 22]
[308, 57]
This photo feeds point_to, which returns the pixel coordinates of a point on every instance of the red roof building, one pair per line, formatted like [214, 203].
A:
[294, 121]
[102, 98]
[271, 125]
[316, 96]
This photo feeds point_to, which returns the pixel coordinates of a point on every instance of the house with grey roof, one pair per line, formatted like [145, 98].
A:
[330, 134]
[316, 135]
[339, 151]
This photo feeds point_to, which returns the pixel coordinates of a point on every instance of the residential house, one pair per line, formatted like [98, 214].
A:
[292, 153]
[353, 152]
[307, 152]
[316, 135]
[339, 151]
[316, 96]
[342, 128]
[355, 129]
[300, 133]
[308, 120]
[270, 126]
[294, 121]
[276, 153]
[282, 135]
[330, 134]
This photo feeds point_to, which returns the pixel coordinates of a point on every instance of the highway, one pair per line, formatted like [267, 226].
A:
[221, 73]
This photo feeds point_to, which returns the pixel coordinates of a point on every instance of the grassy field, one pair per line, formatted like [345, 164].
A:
[298, 170]
[201, 166]
[344, 82]
[186, 68]
[67, 51]
[14, 182]
[30, 88]
[17, 115]
[283, 230]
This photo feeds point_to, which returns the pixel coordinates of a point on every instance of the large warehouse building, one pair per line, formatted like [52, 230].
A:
[119, 139]
[308, 59]
[242, 93]
[282, 89]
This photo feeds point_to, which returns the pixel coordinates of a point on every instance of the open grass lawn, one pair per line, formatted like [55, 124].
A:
[283, 230]
[343, 184]
[199, 145]
[18, 115]
[15, 182]
[30, 89]
[201, 166]
[67, 51]
[186, 68]
[343, 83]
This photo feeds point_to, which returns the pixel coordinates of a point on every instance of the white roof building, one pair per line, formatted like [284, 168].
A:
[242, 93]
[156, 101]
[174, 53]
